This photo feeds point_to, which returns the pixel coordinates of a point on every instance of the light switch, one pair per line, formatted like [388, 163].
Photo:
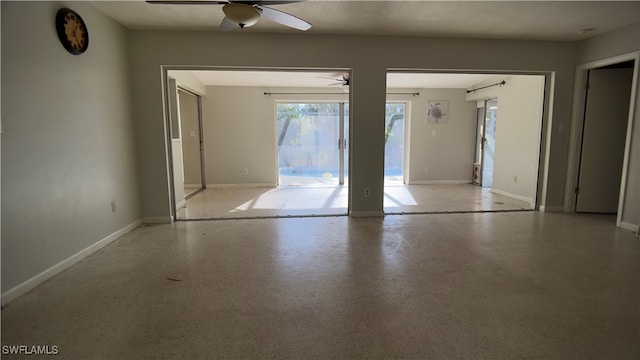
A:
[192, 133]
[433, 133]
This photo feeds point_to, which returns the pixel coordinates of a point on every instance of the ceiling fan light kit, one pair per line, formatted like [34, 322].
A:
[241, 14]
[245, 13]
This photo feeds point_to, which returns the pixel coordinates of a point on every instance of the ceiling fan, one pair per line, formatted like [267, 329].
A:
[241, 13]
[344, 81]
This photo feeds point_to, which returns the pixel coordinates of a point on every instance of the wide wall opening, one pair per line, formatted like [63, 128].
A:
[274, 143]
[471, 142]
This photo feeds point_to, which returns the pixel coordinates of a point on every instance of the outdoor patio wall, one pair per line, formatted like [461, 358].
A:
[622, 41]
[518, 133]
[68, 143]
[448, 148]
[369, 57]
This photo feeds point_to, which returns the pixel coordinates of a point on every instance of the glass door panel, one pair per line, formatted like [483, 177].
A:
[489, 146]
[311, 145]
[394, 143]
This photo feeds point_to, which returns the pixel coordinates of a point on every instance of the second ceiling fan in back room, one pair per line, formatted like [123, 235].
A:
[344, 81]
[246, 13]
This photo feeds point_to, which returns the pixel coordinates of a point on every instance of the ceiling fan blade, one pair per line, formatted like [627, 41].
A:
[266, 2]
[227, 25]
[221, 2]
[187, 2]
[283, 18]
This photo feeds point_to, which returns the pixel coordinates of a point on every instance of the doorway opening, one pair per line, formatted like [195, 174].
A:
[187, 147]
[455, 142]
[603, 137]
[189, 104]
[487, 141]
[265, 160]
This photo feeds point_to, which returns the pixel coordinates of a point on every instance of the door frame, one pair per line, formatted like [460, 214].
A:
[343, 142]
[203, 175]
[405, 138]
[479, 137]
[483, 139]
[577, 127]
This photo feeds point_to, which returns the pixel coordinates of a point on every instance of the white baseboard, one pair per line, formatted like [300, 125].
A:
[438, 182]
[181, 203]
[629, 226]
[552, 208]
[157, 220]
[240, 186]
[362, 214]
[513, 196]
[31, 283]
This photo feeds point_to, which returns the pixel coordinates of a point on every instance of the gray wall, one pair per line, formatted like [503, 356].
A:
[68, 142]
[518, 132]
[449, 153]
[619, 42]
[239, 128]
[239, 132]
[369, 66]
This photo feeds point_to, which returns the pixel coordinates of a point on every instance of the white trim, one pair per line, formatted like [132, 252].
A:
[627, 143]
[181, 203]
[514, 196]
[543, 181]
[438, 182]
[629, 226]
[31, 283]
[241, 186]
[577, 122]
[553, 208]
[157, 220]
[362, 214]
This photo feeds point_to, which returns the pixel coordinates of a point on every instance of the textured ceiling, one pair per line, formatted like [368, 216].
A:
[314, 79]
[523, 20]
[530, 20]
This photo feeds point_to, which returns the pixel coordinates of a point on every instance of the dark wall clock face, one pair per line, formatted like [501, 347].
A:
[72, 31]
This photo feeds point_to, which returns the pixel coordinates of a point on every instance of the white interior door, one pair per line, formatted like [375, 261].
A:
[603, 140]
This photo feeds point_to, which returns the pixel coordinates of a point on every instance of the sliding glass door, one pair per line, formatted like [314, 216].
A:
[311, 140]
[394, 143]
[489, 142]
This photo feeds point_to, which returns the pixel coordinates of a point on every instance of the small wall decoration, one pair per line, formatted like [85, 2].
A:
[437, 112]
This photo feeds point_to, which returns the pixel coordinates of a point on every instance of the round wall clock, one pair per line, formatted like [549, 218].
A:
[72, 31]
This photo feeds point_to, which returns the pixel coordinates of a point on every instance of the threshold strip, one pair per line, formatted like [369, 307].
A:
[457, 212]
[193, 194]
[340, 215]
[265, 217]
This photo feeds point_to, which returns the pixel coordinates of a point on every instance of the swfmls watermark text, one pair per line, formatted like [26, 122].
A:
[30, 350]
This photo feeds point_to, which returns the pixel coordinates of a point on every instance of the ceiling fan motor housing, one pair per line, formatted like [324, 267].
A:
[241, 14]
